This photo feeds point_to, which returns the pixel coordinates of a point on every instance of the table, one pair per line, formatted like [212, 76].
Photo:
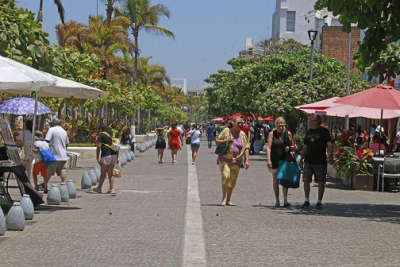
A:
[24, 184]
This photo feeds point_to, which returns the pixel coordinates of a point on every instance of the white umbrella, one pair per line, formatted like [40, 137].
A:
[18, 78]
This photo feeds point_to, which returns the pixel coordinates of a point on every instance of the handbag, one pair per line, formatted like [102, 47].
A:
[47, 157]
[222, 149]
[189, 139]
[289, 174]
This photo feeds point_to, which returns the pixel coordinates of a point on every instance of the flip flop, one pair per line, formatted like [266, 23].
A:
[223, 203]
[230, 204]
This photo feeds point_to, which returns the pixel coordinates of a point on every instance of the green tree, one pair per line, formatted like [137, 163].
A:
[379, 17]
[144, 16]
[274, 84]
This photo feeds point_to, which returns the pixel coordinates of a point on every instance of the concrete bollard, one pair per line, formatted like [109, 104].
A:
[64, 192]
[27, 207]
[71, 189]
[54, 195]
[2, 222]
[93, 177]
[86, 182]
[97, 171]
[15, 219]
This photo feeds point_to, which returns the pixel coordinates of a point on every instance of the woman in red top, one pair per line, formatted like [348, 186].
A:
[174, 141]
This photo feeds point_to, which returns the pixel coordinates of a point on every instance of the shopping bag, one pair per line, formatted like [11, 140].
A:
[289, 174]
[47, 157]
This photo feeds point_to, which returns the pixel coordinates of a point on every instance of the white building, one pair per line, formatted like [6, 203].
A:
[180, 83]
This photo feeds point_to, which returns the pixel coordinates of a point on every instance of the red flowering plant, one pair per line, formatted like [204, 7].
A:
[352, 161]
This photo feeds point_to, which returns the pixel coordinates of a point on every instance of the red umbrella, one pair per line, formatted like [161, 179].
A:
[381, 96]
[269, 118]
[218, 119]
[320, 105]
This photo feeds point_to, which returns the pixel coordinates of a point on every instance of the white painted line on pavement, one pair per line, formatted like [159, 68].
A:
[194, 252]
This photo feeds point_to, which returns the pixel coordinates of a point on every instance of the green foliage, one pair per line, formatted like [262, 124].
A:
[380, 19]
[274, 84]
[351, 161]
[298, 139]
[21, 36]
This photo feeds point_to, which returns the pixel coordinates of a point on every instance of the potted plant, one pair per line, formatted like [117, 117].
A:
[355, 167]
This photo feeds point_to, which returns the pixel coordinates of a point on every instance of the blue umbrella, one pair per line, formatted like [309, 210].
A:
[23, 106]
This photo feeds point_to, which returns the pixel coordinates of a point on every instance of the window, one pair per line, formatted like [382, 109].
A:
[290, 21]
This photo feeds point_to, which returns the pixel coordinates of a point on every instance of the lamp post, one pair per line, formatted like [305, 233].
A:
[312, 34]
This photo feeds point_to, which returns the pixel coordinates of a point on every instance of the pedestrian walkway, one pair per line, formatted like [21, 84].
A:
[168, 215]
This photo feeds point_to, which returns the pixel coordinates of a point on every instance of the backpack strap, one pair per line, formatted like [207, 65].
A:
[107, 145]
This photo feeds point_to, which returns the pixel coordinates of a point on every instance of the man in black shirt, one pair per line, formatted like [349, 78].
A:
[316, 142]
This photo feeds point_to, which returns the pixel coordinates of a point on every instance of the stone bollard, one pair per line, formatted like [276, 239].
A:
[133, 155]
[86, 182]
[2, 222]
[54, 195]
[97, 171]
[15, 219]
[64, 192]
[128, 156]
[71, 189]
[93, 177]
[27, 207]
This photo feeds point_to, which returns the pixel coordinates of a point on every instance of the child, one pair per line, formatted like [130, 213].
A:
[40, 144]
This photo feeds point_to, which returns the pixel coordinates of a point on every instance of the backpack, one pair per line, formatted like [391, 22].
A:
[115, 145]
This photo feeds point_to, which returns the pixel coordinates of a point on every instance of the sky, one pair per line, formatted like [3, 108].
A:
[207, 32]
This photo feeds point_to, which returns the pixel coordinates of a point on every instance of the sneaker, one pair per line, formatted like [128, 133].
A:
[306, 204]
[319, 206]
[97, 190]
[192, 162]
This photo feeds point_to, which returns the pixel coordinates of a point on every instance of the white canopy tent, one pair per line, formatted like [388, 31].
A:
[21, 79]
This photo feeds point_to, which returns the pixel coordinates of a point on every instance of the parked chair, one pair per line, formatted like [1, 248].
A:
[396, 154]
[389, 169]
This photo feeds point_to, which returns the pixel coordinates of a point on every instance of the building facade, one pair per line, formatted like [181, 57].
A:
[181, 83]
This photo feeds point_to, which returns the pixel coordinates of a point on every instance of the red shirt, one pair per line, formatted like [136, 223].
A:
[246, 129]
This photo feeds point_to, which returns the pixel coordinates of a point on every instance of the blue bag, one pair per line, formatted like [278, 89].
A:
[47, 157]
[289, 174]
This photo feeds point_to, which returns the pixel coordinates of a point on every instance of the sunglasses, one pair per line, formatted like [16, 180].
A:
[239, 123]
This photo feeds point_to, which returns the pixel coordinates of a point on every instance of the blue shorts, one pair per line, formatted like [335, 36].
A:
[194, 145]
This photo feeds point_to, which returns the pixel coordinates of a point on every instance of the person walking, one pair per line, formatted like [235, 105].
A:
[313, 158]
[106, 159]
[195, 135]
[229, 164]
[280, 142]
[210, 134]
[175, 139]
[25, 140]
[160, 143]
[58, 139]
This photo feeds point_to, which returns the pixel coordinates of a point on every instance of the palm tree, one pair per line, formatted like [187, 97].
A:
[60, 7]
[143, 16]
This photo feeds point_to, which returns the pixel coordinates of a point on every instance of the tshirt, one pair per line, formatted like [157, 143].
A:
[41, 145]
[59, 140]
[210, 130]
[195, 136]
[26, 137]
[316, 141]
[105, 150]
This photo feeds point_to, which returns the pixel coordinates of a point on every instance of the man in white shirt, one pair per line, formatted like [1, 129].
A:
[58, 139]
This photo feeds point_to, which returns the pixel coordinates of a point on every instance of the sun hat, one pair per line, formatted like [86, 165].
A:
[39, 136]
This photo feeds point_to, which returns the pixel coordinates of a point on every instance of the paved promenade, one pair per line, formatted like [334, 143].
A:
[168, 215]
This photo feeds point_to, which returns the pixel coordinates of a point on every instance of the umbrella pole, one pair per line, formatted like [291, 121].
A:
[33, 137]
[380, 132]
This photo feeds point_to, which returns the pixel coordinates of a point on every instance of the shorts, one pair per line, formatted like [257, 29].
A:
[194, 145]
[39, 168]
[319, 171]
[56, 167]
[109, 160]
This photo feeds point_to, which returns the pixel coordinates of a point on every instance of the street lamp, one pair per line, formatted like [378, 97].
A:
[312, 34]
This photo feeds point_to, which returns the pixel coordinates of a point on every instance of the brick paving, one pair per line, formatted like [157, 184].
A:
[144, 224]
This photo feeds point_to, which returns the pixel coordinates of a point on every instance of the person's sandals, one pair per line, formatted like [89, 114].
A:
[45, 191]
[286, 205]
[223, 203]
[97, 190]
[230, 204]
[277, 205]
[112, 191]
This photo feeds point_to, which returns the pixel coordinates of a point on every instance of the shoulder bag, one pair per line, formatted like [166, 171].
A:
[189, 139]
[223, 149]
[47, 157]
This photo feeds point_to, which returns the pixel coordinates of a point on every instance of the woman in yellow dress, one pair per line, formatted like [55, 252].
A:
[229, 164]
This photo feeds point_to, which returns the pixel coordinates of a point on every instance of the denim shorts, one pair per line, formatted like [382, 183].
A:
[194, 145]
